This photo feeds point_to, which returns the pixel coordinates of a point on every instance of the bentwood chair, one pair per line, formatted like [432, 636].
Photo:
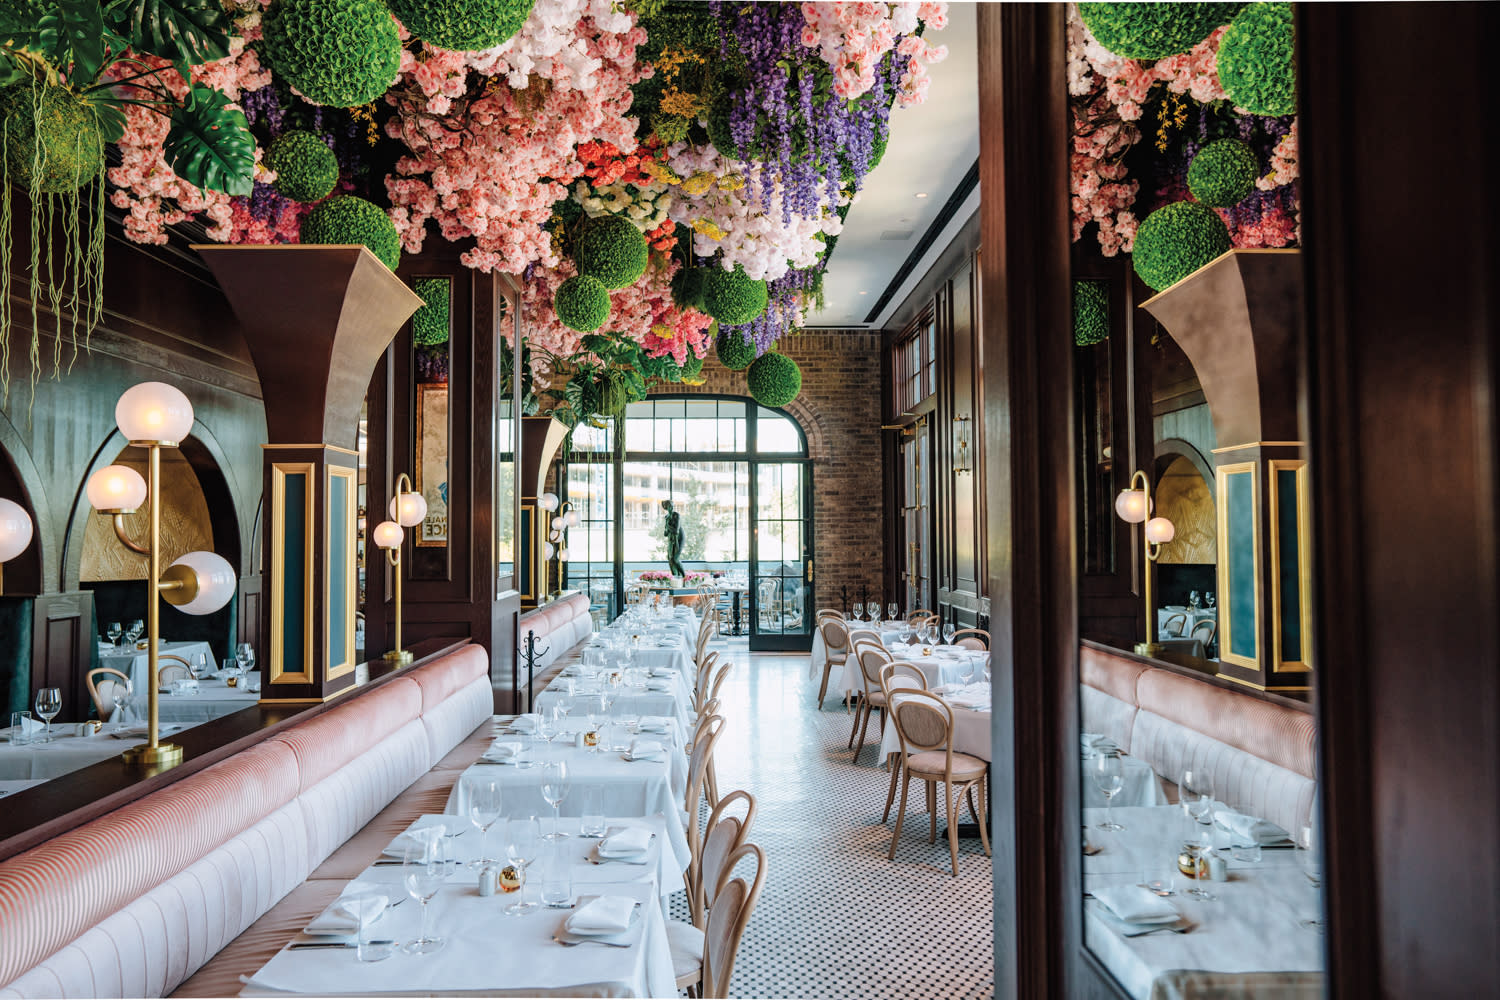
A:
[835, 646]
[924, 725]
[972, 638]
[1205, 630]
[1174, 625]
[704, 738]
[919, 615]
[722, 836]
[830, 613]
[166, 672]
[871, 659]
[102, 682]
[893, 677]
[703, 961]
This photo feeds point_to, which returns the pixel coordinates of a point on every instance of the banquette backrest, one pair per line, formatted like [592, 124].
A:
[559, 627]
[132, 903]
[1261, 756]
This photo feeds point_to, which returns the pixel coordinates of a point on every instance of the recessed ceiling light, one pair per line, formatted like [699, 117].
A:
[921, 194]
[864, 293]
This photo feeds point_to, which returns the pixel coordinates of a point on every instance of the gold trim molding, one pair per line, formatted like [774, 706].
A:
[279, 472]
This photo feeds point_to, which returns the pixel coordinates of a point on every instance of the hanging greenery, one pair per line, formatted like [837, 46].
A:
[1176, 240]
[733, 297]
[1222, 173]
[430, 324]
[347, 219]
[342, 53]
[582, 303]
[1256, 66]
[774, 380]
[1154, 30]
[462, 25]
[612, 250]
[734, 351]
[1090, 313]
[306, 169]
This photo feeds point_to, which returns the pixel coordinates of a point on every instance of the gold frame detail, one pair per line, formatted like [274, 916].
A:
[1226, 613]
[335, 670]
[279, 472]
[1304, 566]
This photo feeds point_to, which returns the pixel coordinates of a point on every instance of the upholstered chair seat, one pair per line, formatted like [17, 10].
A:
[930, 764]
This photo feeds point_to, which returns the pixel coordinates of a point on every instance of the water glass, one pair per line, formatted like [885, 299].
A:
[372, 945]
[18, 735]
[892, 612]
[114, 632]
[554, 790]
[48, 704]
[1109, 777]
[557, 880]
[522, 842]
[481, 797]
[592, 808]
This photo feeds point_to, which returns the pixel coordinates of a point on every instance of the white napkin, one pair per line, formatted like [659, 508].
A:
[425, 838]
[1093, 743]
[1248, 831]
[659, 684]
[970, 697]
[31, 727]
[346, 914]
[136, 732]
[604, 915]
[508, 751]
[627, 843]
[1136, 904]
[646, 749]
[525, 723]
[655, 724]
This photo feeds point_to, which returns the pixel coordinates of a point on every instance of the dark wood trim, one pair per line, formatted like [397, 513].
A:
[37, 814]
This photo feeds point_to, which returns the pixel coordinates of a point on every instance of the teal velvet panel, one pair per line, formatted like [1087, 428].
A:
[1239, 512]
[294, 583]
[15, 655]
[1288, 552]
[338, 558]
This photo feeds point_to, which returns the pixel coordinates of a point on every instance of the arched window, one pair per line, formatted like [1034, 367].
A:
[736, 474]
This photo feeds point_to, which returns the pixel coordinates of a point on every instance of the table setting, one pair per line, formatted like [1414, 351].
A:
[971, 720]
[581, 929]
[621, 692]
[133, 660]
[72, 746]
[208, 697]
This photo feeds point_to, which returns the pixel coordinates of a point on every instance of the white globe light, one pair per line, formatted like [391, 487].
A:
[548, 550]
[15, 529]
[154, 411]
[1133, 505]
[563, 553]
[216, 582]
[116, 487]
[572, 519]
[408, 509]
[547, 501]
[1159, 530]
[387, 535]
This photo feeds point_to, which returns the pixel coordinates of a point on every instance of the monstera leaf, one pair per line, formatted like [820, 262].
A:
[187, 32]
[72, 31]
[209, 144]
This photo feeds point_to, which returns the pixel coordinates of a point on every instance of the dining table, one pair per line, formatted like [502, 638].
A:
[1260, 937]
[133, 663]
[641, 693]
[485, 951]
[212, 698]
[67, 751]
[941, 665]
[1192, 617]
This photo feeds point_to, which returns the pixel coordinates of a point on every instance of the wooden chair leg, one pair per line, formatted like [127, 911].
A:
[984, 834]
[894, 763]
[932, 812]
[711, 779]
[900, 815]
[823, 691]
[862, 730]
[855, 728]
[950, 800]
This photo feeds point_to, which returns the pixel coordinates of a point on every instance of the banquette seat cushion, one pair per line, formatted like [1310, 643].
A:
[132, 903]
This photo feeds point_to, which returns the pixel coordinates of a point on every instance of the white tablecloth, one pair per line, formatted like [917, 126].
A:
[133, 663]
[1254, 925]
[1140, 786]
[486, 952]
[629, 788]
[7, 787]
[213, 699]
[66, 752]
[971, 730]
[939, 668]
[1193, 618]
[669, 696]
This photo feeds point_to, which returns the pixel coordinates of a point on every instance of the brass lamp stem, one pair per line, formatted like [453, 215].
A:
[398, 656]
[1150, 647]
[154, 752]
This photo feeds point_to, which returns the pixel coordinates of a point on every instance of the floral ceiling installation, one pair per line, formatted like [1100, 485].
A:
[722, 144]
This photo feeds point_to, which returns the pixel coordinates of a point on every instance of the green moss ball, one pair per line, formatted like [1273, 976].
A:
[347, 219]
[1176, 240]
[1154, 30]
[582, 303]
[774, 380]
[733, 297]
[306, 168]
[1090, 313]
[342, 53]
[1222, 173]
[67, 129]
[694, 366]
[612, 250]
[734, 351]
[462, 25]
[429, 324]
[1256, 68]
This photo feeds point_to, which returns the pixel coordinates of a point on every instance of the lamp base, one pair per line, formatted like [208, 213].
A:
[1148, 648]
[162, 753]
[399, 657]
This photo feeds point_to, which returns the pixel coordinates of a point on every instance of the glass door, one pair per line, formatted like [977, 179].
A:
[781, 557]
[916, 574]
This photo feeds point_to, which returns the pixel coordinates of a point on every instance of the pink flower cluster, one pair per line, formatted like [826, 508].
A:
[496, 178]
[1276, 227]
[154, 197]
[1128, 83]
[852, 36]
[1284, 168]
[1101, 189]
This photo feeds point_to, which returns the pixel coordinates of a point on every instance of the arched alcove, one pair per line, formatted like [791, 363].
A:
[1189, 561]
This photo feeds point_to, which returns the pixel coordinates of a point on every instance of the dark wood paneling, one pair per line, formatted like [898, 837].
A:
[62, 647]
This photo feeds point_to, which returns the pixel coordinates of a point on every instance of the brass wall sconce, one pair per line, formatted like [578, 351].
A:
[1134, 506]
[408, 509]
[154, 415]
[963, 443]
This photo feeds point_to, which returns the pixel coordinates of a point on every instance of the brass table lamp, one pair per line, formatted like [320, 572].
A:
[1134, 506]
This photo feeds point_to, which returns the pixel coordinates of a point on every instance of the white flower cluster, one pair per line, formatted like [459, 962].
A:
[548, 43]
[646, 207]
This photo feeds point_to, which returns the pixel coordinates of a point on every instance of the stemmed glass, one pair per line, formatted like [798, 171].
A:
[949, 631]
[120, 694]
[1195, 794]
[1308, 856]
[48, 704]
[1209, 599]
[892, 612]
[114, 632]
[195, 668]
[244, 655]
[424, 868]
[522, 843]
[554, 790]
[135, 630]
[1109, 779]
[856, 611]
[873, 610]
[483, 797]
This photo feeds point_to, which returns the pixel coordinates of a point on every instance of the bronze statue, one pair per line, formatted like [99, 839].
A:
[675, 538]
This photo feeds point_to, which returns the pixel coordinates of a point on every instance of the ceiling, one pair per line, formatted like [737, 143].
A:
[932, 148]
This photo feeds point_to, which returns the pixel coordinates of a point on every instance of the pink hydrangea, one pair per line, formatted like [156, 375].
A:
[1283, 163]
[852, 37]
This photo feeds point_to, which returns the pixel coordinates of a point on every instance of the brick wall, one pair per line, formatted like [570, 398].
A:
[839, 410]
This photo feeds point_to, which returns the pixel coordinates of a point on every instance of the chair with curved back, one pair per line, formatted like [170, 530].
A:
[972, 638]
[166, 672]
[705, 958]
[710, 727]
[894, 676]
[1209, 627]
[835, 635]
[919, 614]
[924, 725]
[101, 683]
[722, 836]
[871, 658]
[829, 613]
[1180, 620]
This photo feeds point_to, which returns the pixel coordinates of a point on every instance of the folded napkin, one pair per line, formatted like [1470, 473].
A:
[31, 727]
[503, 752]
[1247, 830]
[659, 684]
[655, 724]
[969, 698]
[136, 732]
[627, 843]
[426, 838]
[604, 915]
[525, 723]
[360, 904]
[1094, 743]
[1136, 904]
[646, 750]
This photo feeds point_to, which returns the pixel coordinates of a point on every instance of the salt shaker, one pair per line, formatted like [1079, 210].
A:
[487, 880]
[1218, 868]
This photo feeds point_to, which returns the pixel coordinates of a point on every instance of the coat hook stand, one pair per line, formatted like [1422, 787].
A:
[530, 653]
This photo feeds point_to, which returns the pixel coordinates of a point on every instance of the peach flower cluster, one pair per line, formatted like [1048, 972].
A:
[852, 36]
[1283, 163]
[1128, 82]
[1101, 189]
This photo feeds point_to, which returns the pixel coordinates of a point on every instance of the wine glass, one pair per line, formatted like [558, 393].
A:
[244, 655]
[136, 628]
[120, 694]
[949, 631]
[873, 610]
[554, 790]
[424, 869]
[1194, 599]
[1105, 771]
[892, 612]
[1195, 795]
[523, 841]
[48, 704]
[857, 610]
[195, 667]
[114, 632]
[1209, 599]
[482, 794]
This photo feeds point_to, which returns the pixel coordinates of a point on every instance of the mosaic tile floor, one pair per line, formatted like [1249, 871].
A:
[836, 919]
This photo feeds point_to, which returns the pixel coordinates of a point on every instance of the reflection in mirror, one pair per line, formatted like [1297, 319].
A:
[431, 327]
[1197, 761]
[362, 526]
